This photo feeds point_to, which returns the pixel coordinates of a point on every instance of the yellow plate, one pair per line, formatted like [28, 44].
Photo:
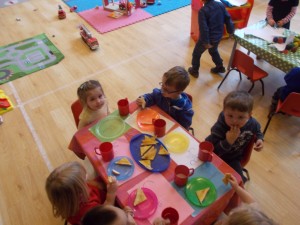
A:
[176, 142]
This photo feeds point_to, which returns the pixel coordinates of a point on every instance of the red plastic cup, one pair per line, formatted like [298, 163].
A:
[123, 106]
[159, 127]
[206, 151]
[171, 214]
[182, 173]
[106, 151]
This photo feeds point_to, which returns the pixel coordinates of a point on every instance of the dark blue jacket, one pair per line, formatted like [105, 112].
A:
[211, 19]
[292, 80]
[179, 109]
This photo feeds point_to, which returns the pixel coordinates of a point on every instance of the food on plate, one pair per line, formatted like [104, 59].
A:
[115, 172]
[150, 154]
[163, 151]
[146, 163]
[123, 161]
[144, 149]
[149, 140]
[139, 197]
[110, 179]
[201, 194]
[226, 178]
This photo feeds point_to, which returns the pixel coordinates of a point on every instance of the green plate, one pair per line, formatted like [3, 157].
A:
[199, 183]
[110, 127]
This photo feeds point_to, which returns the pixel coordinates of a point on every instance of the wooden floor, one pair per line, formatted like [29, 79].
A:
[130, 61]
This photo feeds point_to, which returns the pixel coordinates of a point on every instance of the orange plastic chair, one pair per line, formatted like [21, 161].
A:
[247, 155]
[76, 110]
[289, 106]
[190, 128]
[243, 63]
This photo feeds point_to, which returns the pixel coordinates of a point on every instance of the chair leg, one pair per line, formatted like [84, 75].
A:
[251, 87]
[240, 75]
[224, 79]
[267, 125]
[262, 86]
[192, 130]
[247, 173]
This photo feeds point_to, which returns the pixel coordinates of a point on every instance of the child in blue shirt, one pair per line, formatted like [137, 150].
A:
[170, 97]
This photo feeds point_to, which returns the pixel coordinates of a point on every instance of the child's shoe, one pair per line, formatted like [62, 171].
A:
[218, 69]
[193, 72]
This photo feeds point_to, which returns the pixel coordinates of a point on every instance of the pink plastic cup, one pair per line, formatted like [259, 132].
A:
[171, 214]
[205, 151]
[182, 173]
[123, 106]
[106, 151]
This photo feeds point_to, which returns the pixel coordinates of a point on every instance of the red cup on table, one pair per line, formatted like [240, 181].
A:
[159, 127]
[171, 214]
[182, 173]
[106, 151]
[123, 106]
[206, 149]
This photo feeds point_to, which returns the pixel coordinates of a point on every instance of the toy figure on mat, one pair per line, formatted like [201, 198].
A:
[234, 130]
[71, 195]
[211, 19]
[93, 100]
[280, 12]
[248, 213]
[292, 80]
[170, 97]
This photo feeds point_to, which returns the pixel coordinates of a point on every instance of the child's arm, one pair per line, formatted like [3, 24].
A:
[111, 191]
[242, 193]
[140, 101]
[288, 18]
[258, 145]
[161, 221]
[232, 134]
[269, 13]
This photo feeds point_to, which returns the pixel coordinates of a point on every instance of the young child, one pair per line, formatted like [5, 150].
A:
[292, 80]
[234, 130]
[92, 98]
[248, 213]
[211, 19]
[111, 215]
[280, 12]
[170, 97]
[71, 195]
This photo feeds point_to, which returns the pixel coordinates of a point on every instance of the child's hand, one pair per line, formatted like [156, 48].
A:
[280, 23]
[129, 213]
[232, 134]
[141, 102]
[112, 185]
[233, 182]
[271, 22]
[258, 145]
[207, 46]
[161, 221]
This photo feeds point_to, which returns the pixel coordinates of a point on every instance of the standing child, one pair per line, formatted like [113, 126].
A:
[211, 19]
[234, 130]
[170, 97]
[280, 12]
[92, 98]
[71, 195]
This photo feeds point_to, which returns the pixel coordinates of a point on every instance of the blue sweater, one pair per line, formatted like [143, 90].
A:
[211, 19]
[179, 109]
[292, 80]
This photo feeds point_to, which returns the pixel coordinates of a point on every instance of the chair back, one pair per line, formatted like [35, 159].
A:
[76, 110]
[290, 105]
[248, 152]
[243, 63]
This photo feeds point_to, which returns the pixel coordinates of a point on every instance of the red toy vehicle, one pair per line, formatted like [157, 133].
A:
[87, 37]
[61, 13]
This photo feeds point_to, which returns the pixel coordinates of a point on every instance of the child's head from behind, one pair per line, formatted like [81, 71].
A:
[247, 215]
[66, 188]
[237, 108]
[91, 94]
[107, 215]
[174, 82]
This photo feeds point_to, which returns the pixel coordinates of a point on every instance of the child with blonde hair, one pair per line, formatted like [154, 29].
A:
[71, 195]
[93, 101]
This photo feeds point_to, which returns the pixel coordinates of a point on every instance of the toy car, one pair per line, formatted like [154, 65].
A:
[87, 37]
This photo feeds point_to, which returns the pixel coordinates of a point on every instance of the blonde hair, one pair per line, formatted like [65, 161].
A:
[239, 100]
[66, 189]
[85, 87]
[178, 77]
[247, 215]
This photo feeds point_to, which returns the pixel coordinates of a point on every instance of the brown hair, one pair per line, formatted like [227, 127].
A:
[239, 100]
[66, 188]
[178, 77]
[85, 87]
[99, 215]
[247, 215]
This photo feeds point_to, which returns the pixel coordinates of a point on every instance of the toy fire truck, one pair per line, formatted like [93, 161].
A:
[87, 37]
[61, 13]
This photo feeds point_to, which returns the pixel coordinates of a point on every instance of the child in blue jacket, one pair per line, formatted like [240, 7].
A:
[170, 97]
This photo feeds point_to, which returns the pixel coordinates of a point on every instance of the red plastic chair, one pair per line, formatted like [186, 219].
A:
[289, 106]
[243, 63]
[190, 128]
[247, 155]
[76, 110]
